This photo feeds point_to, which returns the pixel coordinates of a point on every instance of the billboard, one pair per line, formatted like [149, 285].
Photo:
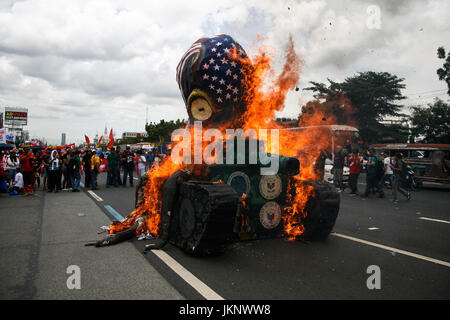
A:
[16, 116]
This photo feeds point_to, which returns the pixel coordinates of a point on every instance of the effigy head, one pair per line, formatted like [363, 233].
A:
[211, 78]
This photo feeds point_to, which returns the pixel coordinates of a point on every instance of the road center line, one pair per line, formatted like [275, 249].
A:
[95, 196]
[192, 280]
[406, 253]
[435, 220]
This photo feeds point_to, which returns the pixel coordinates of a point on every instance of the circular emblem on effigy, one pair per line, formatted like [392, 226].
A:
[270, 215]
[270, 186]
[240, 182]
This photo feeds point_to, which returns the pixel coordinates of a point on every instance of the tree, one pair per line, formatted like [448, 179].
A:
[444, 72]
[431, 124]
[163, 129]
[371, 95]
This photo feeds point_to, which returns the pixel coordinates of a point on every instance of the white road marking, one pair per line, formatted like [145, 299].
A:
[406, 253]
[96, 197]
[373, 228]
[135, 178]
[192, 280]
[435, 220]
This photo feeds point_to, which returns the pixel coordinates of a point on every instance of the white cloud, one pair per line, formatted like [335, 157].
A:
[80, 64]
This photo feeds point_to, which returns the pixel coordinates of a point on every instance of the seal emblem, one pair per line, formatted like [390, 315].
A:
[270, 186]
[270, 215]
[240, 182]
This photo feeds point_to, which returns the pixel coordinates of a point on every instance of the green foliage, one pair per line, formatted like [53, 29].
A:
[444, 72]
[372, 96]
[431, 124]
[163, 129]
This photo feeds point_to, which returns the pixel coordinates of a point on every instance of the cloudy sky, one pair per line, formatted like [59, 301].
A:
[80, 65]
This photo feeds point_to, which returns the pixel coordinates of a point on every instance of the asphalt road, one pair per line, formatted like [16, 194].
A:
[408, 241]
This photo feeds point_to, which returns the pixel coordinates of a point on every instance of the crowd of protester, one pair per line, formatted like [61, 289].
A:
[382, 171]
[24, 171]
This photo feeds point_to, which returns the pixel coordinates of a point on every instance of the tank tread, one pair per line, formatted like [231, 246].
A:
[204, 217]
[322, 211]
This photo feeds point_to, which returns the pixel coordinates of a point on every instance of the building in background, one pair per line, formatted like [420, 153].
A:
[63, 139]
[127, 135]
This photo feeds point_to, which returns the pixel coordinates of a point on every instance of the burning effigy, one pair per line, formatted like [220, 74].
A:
[234, 172]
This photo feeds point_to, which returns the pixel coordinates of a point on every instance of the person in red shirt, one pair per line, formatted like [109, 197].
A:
[354, 172]
[27, 165]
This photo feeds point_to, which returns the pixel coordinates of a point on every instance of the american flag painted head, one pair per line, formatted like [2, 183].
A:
[213, 69]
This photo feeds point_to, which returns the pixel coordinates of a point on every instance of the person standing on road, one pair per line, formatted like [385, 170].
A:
[74, 165]
[127, 166]
[54, 172]
[354, 172]
[398, 168]
[338, 168]
[112, 167]
[119, 154]
[26, 161]
[87, 168]
[44, 165]
[65, 170]
[140, 164]
[388, 173]
[372, 175]
[95, 169]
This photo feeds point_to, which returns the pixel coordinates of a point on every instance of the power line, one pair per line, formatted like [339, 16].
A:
[411, 94]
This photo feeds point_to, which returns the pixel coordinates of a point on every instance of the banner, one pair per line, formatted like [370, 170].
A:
[16, 116]
[3, 135]
[10, 137]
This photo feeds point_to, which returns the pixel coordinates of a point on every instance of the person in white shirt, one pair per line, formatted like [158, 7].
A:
[141, 161]
[12, 164]
[18, 182]
[388, 173]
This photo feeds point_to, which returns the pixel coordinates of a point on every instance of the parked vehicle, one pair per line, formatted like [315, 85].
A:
[428, 163]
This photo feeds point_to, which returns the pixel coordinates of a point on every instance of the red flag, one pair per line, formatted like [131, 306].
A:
[87, 139]
[45, 147]
[111, 140]
[99, 141]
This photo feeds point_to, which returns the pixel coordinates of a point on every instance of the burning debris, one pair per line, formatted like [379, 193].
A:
[202, 206]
